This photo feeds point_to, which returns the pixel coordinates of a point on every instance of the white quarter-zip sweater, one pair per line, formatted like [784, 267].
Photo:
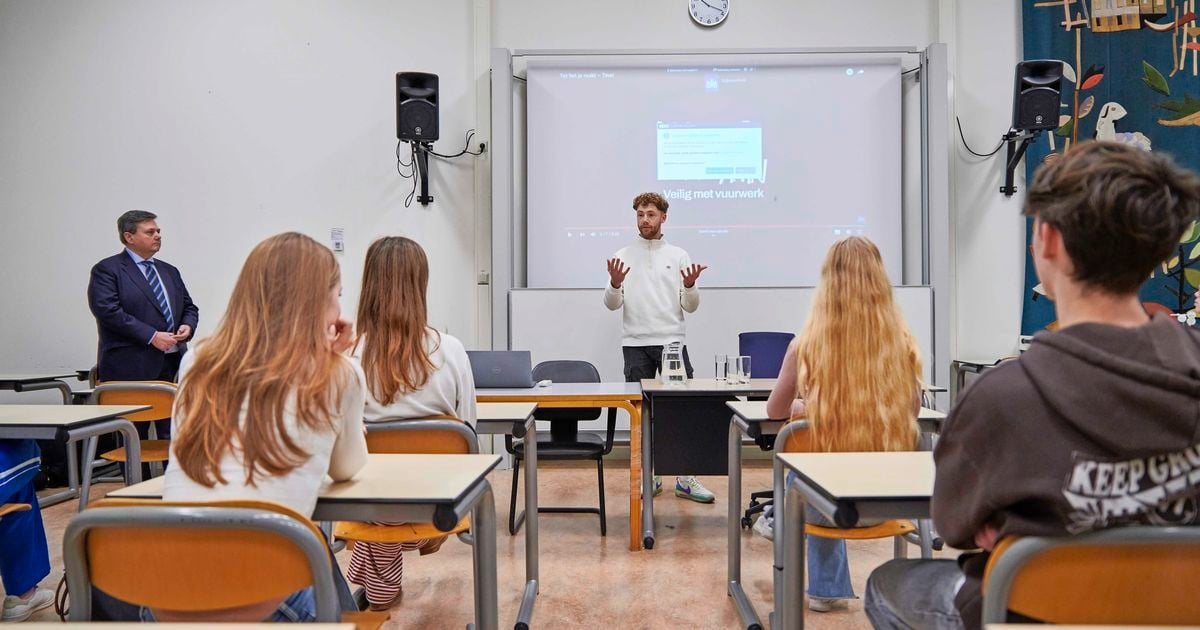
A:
[653, 294]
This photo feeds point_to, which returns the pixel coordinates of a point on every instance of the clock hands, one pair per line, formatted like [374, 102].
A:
[709, 5]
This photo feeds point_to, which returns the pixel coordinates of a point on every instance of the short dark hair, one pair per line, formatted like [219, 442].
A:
[1121, 210]
[650, 199]
[129, 221]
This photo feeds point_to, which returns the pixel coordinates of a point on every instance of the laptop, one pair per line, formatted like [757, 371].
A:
[495, 369]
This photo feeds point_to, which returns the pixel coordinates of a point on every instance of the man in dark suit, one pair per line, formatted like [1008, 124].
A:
[144, 314]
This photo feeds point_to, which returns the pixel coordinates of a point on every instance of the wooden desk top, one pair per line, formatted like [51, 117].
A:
[699, 386]
[416, 479]
[26, 378]
[756, 411]
[504, 411]
[865, 476]
[61, 415]
[610, 391]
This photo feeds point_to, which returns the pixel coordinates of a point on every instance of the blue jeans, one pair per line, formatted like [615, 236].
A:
[828, 565]
[299, 607]
[24, 555]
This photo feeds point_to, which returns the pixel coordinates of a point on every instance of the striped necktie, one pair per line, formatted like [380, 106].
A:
[159, 294]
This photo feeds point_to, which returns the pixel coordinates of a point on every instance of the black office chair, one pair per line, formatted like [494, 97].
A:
[564, 442]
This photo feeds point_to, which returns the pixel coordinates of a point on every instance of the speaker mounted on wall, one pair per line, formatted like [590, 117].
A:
[416, 106]
[1037, 86]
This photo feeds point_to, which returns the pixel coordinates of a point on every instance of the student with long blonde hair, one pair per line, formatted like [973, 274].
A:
[412, 371]
[269, 405]
[854, 373]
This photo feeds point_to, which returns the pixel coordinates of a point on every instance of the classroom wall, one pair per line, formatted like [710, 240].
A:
[232, 121]
[235, 121]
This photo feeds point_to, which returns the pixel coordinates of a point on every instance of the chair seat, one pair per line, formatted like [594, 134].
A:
[9, 508]
[886, 529]
[404, 532]
[585, 446]
[366, 619]
[152, 451]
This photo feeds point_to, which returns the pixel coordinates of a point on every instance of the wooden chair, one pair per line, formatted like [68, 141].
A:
[9, 508]
[433, 435]
[196, 557]
[1138, 575]
[795, 438]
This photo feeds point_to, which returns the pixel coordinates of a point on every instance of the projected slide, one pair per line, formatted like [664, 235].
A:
[718, 152]
[764, 166]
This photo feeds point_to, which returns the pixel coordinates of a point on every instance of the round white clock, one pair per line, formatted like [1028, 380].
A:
[708, 12]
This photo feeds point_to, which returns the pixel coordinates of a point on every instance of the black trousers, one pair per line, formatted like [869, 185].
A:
[162, 428]
[646, 361]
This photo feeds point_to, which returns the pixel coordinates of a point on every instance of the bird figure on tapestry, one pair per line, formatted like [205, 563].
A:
[1106, 128]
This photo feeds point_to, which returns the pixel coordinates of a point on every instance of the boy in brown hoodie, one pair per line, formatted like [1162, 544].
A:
[1098, 424]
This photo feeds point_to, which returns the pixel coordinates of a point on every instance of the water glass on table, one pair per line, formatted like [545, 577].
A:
[719, 367]
[744, 369]
[733, 368]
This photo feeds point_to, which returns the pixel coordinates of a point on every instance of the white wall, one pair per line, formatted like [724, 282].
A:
[231, 120]
[236, 120]
[989, 232]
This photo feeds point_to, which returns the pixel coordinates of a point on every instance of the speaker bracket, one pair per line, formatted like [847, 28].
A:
[422, 149]
[1018, 142]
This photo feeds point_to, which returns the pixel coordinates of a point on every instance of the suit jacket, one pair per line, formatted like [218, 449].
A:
[127, 316]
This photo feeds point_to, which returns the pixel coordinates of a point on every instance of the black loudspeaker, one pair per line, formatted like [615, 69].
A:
[1036, 95]
[417, 106]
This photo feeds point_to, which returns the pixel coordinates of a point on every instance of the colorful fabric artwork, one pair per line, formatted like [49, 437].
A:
[1131, 74]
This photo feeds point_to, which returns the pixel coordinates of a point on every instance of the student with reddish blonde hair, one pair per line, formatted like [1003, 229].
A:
[269, 405]
[412, 371]
[854, 374]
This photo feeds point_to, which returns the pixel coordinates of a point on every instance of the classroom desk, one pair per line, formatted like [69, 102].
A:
[845, 487]
[38, 382]
[627, 396]
[654, 393]
[70, 423]
[438, 489]
[516, 419]
[751, 420]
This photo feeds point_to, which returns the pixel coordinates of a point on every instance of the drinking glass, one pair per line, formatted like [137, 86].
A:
[719, 367]
[744, 369]
[733, 370]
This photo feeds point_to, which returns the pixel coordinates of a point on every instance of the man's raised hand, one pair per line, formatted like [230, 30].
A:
[617, 272]
[691, 274]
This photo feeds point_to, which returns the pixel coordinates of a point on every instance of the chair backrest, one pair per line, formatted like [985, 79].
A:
[794, 437]
[566, 372]
[160, 395]
[766, 351]
[432, 435]
[1126, 575]
[195, 556]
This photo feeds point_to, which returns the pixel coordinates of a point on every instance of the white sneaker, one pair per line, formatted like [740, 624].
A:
[17, 609]
[765, 527]
[689, 488]
[824, 604]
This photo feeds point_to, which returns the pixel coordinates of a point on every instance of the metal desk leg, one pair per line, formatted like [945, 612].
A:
[483, 522]
[745, 609]
[780, 527]
[792, 605]
[531, 528]
[647, 478]
[85, 485]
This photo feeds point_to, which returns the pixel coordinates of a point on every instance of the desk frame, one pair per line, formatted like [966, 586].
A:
[630, 403]
[84, 430]
[527, 430]
[789, 532]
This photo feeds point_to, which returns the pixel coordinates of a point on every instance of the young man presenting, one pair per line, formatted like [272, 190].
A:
[654, 282]
[1076, 434]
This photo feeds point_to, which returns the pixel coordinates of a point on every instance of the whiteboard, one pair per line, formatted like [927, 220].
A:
[556, 324]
